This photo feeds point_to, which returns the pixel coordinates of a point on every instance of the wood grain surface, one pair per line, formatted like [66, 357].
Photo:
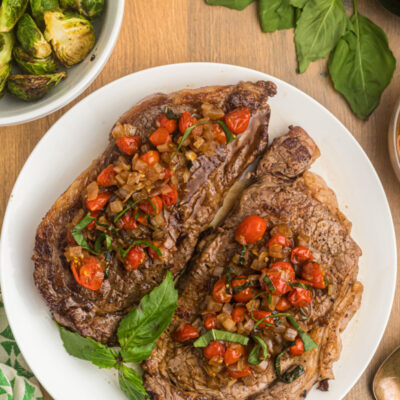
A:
[158, 32]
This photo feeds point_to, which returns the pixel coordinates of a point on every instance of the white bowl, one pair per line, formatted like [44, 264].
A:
[14, 111]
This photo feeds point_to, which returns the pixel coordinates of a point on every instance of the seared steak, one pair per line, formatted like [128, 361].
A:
[96, 313]
[284, 192]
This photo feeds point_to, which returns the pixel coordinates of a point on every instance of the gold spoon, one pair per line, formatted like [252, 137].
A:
[386, 384]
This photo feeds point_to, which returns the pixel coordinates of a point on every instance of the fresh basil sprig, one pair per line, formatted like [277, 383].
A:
[131, 384]
[254, 356]
[276, 14]
[215, 334]
[234, 4]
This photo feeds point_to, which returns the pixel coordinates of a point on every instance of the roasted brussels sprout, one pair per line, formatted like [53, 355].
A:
[5, 72]
[88, 8]
[38, 7]
[10, 12]
[6, 45]
[71, 35]
[33, 87]
[31, 38]
[32, 65]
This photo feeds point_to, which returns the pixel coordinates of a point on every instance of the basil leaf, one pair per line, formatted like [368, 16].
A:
[88, 349]
[77, 232]
[124, 252]
[99, 242]
[230, 137]
[246, 285]
[321, 24]
[362, 65]
[215, 334]
[288, 376]
[145, 323]
[254, 356]
[260, 321]
[170, 114]
[137, 354]
[242, 255]
[131, 384]
[276, 14]
[298, 3]
[234, 4]
[270, 285]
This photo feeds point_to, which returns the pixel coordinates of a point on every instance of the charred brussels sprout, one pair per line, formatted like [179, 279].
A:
[32, 65]
[6, 45]
[33, 87]
[5, 72]
[31, 38]
[10, 12]
[88, 8]
[38, 7]
[71, 35]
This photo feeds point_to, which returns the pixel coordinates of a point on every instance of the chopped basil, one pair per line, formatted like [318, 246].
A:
[99, 242]
[288, 376]
[215, 334]
[78, 235]
[124, 252]
[254, 356]
[170, 114]
[228, 280]
[230, 137]
[242, 255]
[126, 209]
[260, 321]
[301, 285]
[246, 285]
[269, 284]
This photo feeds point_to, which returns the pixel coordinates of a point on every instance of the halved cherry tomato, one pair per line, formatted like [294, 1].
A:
[142, 219]
[170, 198]
[92, 225]
[285, 269]
[238, 314]
[186, 332]
[219, 133]
[283, 304]
[186, 121]
[89, 273]
[151, 157]
[262, 315]
[134, 258]
[297, 349]
[152, 253]
[236, 374]
[99, 202]
[300, 255]
[221, 293]
[168, 172]
[233, 353]
[169, 124]
[278, 238]
[313, 273]
[160, 136]
[250, 230]
[128, 144]
[214, 349]
[280, 274]
[128, 221]
[238, 120]
[210, 321]
[244, 295]
[153, 208]
[106, 177]
[300, 297]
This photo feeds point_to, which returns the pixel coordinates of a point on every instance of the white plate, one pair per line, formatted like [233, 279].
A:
[81, 135]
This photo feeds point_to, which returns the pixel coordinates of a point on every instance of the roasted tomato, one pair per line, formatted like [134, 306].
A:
[169, 196]
[128, 144]
[168, 172]
[221, 293]
[210, 321]
[280, 240]
[258, 315]
[250, 230]
[238, 120]
[300, 255]
[134, 258]
[92, 225]
[297, 349]
[300, 297]
[152, 206]
[160, 136]
[219, 134]
[106, 177]
[314, 273]
[233, 353]
[214, 349]
[238, 314]
[88, 273]
[186, 121]
[245, 295]
[169, 124]
[142, 219]
[151, 157]
[283, 304]
[186, 332]
[128, 221]
[280, 274]
[235, 373]
[99, 202]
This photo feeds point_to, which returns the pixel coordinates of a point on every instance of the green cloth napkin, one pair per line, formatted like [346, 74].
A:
[16, 380]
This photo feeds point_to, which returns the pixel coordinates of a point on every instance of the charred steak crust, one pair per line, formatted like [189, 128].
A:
[284, 192]
[97, 313]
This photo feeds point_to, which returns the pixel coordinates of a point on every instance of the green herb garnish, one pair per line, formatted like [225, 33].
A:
[215, 334]
[99, 242]
[242, 255]
[301, 285]
[230, 137]
[288, 376]
[78, 235]
[254, 356]
[270, 285]
[246, 285]
[124, 252]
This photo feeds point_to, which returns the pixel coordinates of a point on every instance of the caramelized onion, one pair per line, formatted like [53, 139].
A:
[92, 191]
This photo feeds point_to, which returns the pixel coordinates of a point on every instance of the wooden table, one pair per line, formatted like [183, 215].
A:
[158, 32]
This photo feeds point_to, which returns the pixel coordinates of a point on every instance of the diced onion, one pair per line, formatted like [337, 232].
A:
[92, 191]
[116, 206]
[228, 308]
[212, 305]
[191, 155]
[290, 334]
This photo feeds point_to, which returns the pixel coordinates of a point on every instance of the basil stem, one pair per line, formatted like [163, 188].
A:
[260, 321]
[242, 255]
[269, 284]
[301, 285]
[215, 334]
[78, 235]
[288, 376]
[125, 252]
[254, 356]
[230, 137]
[246, 285]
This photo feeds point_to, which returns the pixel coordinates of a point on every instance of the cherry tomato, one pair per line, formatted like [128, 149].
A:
[238, 314]
[233, 353]
[238, 120]
[186, 121]
[300, 297]
[128, 144]
[280, 274]
[89, 273]
[262, 315]
[168, 172]
[142, 219]
[170, 198]
[244, 295]
[219, 134]
[169, 124]
[220, 292]
[151, 157]
[153, 208]
[92, 225]
[128, 221]
[297, 349]
[106, 177]
[250, 230]
[99, 202]
[160, 136]
[134, 258]
[186, 332]
[236, 374]
[152, 253]
[210, 321]
[300, 255]
[214, 349]
[283, 304]
[313, 273]
[285, 269]
[279, 239]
